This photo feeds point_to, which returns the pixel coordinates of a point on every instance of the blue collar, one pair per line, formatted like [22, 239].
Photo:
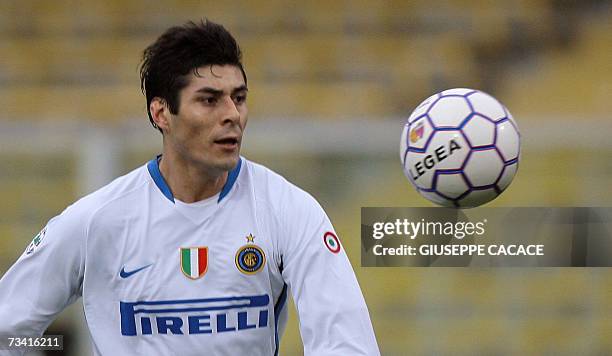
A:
[153, 167]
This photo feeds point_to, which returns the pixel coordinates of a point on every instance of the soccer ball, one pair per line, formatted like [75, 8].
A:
[460, 148]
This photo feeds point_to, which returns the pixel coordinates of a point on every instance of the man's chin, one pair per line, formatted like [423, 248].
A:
[228, 163]
[232, 164]
[217, 163]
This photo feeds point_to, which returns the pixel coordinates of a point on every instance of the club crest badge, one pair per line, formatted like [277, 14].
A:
[194, 261]
[250, 258]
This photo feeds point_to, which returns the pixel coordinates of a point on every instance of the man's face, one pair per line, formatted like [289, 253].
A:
[211, 118]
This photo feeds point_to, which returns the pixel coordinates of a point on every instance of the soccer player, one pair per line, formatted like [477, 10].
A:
[195, 252]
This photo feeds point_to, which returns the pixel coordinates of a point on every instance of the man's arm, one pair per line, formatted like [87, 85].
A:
[334, 318]
[46, 278]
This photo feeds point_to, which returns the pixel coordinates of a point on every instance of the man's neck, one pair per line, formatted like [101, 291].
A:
[188, 182]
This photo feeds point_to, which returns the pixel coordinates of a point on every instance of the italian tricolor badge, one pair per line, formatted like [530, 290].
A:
[194, 261]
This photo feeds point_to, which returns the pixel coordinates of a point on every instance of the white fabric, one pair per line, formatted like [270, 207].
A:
[130, 224]
[197, 212]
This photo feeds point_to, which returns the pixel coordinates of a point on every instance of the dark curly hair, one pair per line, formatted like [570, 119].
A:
[180, 50]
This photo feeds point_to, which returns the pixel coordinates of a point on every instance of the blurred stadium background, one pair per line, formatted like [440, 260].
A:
[331, 83]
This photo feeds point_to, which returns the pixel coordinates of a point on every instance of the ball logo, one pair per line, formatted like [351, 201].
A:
[429, 161]
[250, 258]
[331, 242]
[417, 132]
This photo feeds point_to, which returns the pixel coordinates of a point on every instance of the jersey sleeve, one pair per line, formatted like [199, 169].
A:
[45, 279]
[333, 316]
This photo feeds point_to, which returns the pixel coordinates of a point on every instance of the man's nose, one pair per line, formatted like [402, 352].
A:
[231, 113]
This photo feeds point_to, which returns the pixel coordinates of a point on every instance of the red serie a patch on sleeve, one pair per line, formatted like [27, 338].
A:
[331, 242]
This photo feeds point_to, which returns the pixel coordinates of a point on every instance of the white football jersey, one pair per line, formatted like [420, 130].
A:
[162, 277]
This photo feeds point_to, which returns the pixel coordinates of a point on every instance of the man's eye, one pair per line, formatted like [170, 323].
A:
[208, 100]
[239, 99]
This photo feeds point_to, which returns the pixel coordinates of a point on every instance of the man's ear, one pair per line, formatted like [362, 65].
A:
[160, 112]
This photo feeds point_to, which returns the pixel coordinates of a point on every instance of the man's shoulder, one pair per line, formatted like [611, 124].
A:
[274, 188]
[76, 218]
[114, 191]
[262, 175]
[265, 180]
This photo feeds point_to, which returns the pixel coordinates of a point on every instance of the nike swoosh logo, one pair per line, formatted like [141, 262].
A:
[125, 274]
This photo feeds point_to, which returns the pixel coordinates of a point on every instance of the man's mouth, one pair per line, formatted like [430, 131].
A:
[229, 142]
